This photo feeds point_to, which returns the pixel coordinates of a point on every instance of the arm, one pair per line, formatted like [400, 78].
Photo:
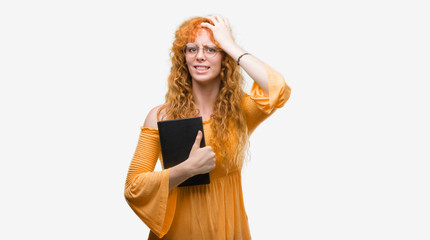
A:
[146, 191]
[254, 67]
[269, 90]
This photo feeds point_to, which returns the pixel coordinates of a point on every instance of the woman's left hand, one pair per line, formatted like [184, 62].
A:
[221, 31]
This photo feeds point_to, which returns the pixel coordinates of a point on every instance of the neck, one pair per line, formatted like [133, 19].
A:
[205, 96]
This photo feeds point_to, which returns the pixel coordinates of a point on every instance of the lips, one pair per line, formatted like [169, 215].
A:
[201, 67]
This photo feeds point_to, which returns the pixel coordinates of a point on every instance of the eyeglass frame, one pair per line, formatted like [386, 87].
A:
[184, 50]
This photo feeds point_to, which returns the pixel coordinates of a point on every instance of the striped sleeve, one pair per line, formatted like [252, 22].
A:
[147, 192]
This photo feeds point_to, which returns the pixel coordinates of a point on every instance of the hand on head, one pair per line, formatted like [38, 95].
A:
[221, 30]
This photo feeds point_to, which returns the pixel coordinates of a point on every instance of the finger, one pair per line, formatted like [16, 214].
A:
[217, 17]
[226, 22]
[213, 19]
[208, 148]
[218, 20]
[207, 25]
[198, 140]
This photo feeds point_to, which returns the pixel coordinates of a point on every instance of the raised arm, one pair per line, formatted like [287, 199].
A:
[254, 67]
[269, 91]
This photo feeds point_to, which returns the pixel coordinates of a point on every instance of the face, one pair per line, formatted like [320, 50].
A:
[204, 68]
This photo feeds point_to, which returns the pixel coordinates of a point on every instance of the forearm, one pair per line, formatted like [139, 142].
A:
[179, 174]
[201, 160]
[253, 66]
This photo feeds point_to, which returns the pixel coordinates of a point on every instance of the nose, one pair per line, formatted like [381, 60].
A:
[200, 54]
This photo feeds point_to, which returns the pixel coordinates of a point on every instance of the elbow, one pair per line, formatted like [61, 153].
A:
[130, 191]
[287, 92]
[128, 194]
[137, 189]
[133, 198]
[284, 95]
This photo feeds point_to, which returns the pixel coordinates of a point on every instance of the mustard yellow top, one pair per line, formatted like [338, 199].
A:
[213, 211]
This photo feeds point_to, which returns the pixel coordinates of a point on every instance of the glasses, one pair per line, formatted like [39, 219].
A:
[191, 50]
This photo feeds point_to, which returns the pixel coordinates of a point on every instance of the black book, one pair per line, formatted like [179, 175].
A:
[177, 138]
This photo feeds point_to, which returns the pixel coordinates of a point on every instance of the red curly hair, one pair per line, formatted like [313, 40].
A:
[228, 119]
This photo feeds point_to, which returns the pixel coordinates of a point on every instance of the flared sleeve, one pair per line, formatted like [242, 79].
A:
[147, 192]
[258, 106]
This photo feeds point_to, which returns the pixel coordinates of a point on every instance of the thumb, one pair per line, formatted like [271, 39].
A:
[196, 144]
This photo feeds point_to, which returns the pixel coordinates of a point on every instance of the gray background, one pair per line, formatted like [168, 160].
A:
[346, 158]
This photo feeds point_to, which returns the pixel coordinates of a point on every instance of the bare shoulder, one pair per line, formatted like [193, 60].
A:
[152, 119]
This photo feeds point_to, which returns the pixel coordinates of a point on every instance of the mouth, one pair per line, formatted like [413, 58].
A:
[201, 68]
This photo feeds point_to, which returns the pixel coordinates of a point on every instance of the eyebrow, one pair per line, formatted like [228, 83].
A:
[207, 45]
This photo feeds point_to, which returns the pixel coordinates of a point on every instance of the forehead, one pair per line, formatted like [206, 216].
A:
[203, 37]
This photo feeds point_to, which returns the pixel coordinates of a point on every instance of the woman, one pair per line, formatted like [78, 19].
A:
[205, 80]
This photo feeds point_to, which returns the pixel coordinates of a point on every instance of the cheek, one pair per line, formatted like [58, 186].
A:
[186, 62]
[189, 66]
[217, 63]
[217, 68]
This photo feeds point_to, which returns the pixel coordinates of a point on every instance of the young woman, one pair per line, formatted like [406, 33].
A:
[205, 80]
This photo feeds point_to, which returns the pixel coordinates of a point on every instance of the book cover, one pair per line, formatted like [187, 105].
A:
[177, 138]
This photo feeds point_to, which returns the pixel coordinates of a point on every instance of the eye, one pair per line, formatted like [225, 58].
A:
[191, 49]
[211, 50]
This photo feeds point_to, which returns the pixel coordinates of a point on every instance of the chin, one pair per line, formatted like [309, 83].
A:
[204, 79]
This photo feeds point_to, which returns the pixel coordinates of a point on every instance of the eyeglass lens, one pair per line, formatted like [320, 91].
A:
[191, 50]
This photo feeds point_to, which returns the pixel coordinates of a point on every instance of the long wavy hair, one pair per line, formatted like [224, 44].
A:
[229, 128]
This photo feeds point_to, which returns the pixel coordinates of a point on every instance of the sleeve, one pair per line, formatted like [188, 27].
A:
[147, 192]
[258, 106]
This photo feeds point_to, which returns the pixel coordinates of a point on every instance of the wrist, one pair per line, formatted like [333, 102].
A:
[233, 50]
[186, 168]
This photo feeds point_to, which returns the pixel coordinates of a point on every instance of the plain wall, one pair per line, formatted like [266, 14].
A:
[346, 158]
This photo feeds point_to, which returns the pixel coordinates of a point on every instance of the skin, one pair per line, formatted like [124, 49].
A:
[206, 84]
